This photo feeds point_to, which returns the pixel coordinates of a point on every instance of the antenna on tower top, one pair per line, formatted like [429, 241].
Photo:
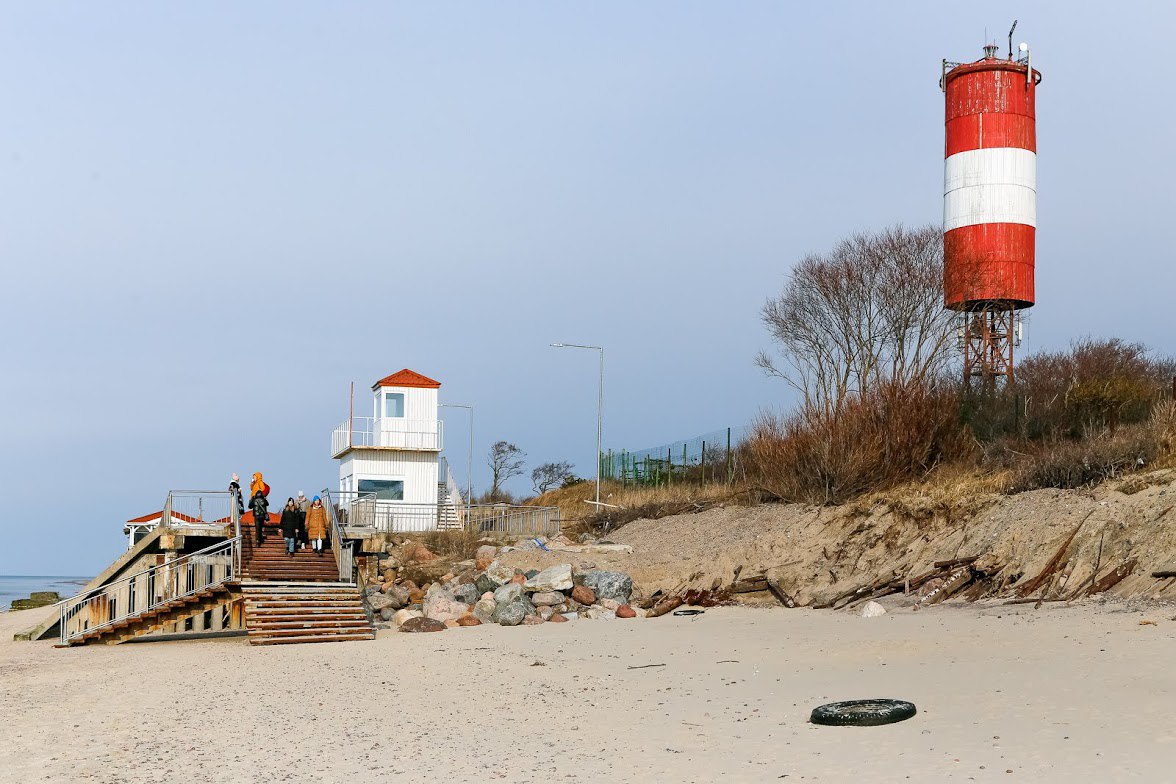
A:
[1011, 29]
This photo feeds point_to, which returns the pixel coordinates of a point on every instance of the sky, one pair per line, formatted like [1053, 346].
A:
[214, 217]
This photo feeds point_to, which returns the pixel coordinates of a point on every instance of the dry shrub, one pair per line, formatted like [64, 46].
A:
[1096, 384]
[458, 545]
[633, 503]
[876, 441]
[1099, 456]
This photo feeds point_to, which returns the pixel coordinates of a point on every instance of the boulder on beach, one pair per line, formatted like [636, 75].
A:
[484, 557]
[609, 585]
[468, 620]
[467, 593]
[625, 611]
[555, 578]
[403, 616]
[484, 610]
[547, 598]
[511, 613]
[499, 573]
[508, 593]
[423, 625]
[485, 583]
[584, 595]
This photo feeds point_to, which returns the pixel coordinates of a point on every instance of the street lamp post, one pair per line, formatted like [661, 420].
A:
[599, 408]
[469, 461]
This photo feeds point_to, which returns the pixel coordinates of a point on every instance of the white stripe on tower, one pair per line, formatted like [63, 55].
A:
[990, 185]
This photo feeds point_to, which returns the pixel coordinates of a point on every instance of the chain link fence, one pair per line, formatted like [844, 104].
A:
[713, 457]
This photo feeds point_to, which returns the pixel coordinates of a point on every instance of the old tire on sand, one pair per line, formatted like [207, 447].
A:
[863, 713]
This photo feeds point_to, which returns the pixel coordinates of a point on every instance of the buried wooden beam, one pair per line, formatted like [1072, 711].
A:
[1054, 563]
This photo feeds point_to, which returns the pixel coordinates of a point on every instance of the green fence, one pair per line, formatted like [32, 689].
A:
[712, 457]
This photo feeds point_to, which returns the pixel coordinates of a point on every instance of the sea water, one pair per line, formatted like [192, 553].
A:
[20, 586]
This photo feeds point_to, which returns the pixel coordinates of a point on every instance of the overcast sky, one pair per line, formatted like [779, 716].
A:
[215, 216]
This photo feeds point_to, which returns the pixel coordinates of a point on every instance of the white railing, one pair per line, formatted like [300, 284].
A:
[344, 550]
[198, 507]
[388, 433]
[364, 510]
[149, 589]
[511, 520]
[454, 513]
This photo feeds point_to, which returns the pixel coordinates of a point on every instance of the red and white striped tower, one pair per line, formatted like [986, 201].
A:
[989, 205]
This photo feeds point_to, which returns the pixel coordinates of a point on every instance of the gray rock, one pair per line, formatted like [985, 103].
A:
[380, 601]
[499, 573]
[555, 578]
[372, 590]
[508, 593]
[511, 614]
[547, 598]
[610, 585]
[486, 584]
[530, 573]
[484, 610]
[585, 538]
[387, 614]
[467, 593]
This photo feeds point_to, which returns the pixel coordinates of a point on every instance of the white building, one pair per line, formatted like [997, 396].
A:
[391, 474]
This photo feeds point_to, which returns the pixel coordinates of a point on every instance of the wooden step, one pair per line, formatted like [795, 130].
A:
[275, 633]
[313, 638]
[329, 625]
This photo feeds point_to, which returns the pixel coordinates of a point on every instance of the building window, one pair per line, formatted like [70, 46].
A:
[394, 405]
[384, 489]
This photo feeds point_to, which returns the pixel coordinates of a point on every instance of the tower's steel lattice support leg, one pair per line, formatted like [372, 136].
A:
[989, 339]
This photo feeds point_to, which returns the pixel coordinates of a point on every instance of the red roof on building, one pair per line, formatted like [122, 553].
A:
[407, 378]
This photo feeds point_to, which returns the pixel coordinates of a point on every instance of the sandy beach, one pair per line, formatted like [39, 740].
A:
[1079, 693]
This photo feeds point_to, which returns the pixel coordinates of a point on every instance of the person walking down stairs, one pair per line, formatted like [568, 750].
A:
[316, 524]
[290, 523]
[260, 508]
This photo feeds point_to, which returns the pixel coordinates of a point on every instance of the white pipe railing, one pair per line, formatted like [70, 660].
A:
[388, 433]
[148, 589]
[344, 550]
[366, 510]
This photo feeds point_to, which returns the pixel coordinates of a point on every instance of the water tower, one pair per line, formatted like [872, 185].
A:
[990, 205]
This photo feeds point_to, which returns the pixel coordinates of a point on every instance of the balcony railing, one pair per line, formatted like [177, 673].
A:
[388, 433]
[365, 510]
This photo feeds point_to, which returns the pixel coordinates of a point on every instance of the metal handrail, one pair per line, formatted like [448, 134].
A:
[366, 510]
[388, 433]
[344, 550]
[119, 600]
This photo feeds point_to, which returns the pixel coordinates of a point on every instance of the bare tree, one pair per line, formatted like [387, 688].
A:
[549, 475]
[506, 462]
[868, 312]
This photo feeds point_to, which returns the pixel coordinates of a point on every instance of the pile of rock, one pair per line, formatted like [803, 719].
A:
[493, 593]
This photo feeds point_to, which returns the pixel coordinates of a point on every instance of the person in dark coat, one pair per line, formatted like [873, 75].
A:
[235, 491]
[302, 503]
[260, 508]
[291, 523]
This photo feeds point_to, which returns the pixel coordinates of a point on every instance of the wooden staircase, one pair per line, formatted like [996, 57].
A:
[270, 561]
[291, 599]
[156, 619]
[278, 613]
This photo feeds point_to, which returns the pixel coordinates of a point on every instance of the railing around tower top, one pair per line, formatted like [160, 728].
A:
[388, 433]
[343, 549]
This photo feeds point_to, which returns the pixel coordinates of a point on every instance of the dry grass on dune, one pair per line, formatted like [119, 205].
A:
[629, 503]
